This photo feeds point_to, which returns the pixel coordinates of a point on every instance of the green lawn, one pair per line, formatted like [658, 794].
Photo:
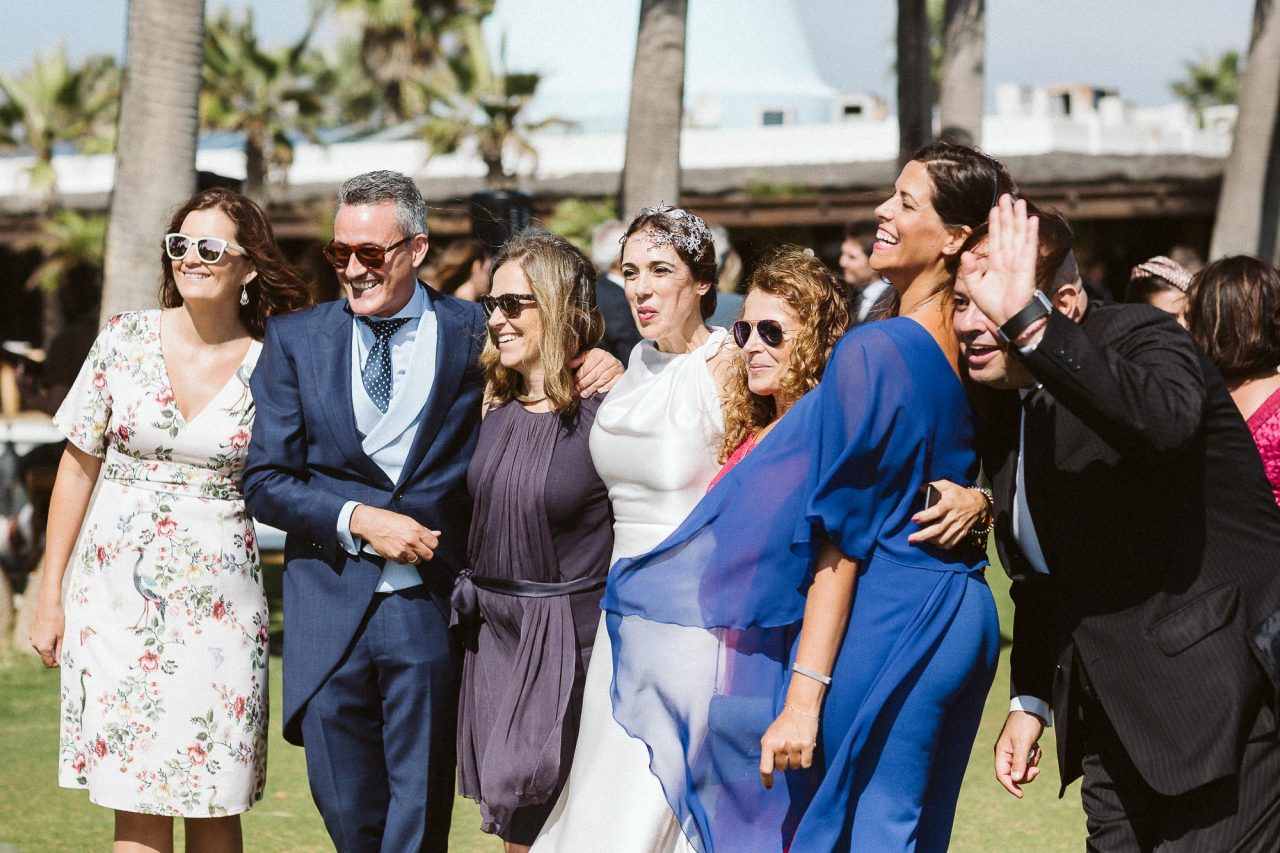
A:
[36, 815]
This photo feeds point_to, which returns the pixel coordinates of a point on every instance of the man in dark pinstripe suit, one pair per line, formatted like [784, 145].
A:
[1134, 516]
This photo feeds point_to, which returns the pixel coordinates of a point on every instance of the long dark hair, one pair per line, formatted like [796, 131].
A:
[966, 184]
[1233, 312]
[277, 289]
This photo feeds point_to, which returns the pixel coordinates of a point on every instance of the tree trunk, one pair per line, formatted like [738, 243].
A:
[915, 101]
[255, 169]
[1245, 205]
[651, 171]
[156, 149]
[961, 90]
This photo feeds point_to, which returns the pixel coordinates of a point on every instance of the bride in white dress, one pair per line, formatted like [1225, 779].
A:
[654, 444]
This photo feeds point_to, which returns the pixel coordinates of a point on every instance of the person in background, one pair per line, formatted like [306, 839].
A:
[869, 295]
[162, 639]
[541, 535]
[728, 274]
[1161, 282]
[1234, 314]
[1187, 257]
[620, 332]
[462, 270]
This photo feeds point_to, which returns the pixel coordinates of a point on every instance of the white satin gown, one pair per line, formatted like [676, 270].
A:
[654, 444]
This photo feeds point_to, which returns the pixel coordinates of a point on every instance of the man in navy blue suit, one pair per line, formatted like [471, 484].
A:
[367, 412]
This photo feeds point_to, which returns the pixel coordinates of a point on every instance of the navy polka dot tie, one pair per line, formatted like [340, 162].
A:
[377, 367]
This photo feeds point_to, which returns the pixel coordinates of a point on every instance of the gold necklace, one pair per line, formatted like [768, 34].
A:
[523, 399]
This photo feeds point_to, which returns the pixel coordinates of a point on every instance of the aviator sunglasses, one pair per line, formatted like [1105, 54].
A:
[371, 255]
[208, 249]
[771, 332]
[510, 303]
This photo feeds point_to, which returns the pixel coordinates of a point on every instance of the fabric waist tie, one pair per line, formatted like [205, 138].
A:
[175, 478]
[465, 605]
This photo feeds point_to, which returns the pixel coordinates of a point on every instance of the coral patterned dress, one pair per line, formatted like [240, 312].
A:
[164, 659]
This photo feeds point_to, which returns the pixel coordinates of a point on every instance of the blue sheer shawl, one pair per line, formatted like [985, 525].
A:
[704, 626]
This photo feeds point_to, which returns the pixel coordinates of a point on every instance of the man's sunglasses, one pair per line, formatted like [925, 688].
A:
[771, 332]
[208, 249]
[371, 255]
[510, 303]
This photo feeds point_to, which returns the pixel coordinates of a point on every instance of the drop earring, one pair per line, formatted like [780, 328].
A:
[244, 293]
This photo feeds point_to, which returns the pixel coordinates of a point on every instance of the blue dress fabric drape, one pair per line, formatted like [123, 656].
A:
[704, 626]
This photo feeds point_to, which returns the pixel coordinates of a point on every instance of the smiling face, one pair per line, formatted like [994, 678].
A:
[199, 281]
[911, 238]
[384, 291]
[517, 338]
[988, 362]
[767, 366]
[662, 292]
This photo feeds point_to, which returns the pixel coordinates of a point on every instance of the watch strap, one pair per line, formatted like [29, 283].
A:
[1038, 307]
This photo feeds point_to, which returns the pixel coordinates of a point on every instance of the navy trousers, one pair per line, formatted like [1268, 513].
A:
[380, 733]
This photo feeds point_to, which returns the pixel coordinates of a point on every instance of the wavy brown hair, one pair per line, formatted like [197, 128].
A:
[811, 290]
[563, 281]
[1233, 312]
[454, 267]
[277, 289]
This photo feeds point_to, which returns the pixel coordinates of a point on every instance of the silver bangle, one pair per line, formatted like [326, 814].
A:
[809, 673]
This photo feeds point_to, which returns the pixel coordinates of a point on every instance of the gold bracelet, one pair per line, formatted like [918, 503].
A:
[801, 713]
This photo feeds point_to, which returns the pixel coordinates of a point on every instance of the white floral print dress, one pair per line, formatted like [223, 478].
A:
[164, 660]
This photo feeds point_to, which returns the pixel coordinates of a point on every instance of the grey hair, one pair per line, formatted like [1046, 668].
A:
[382, 186]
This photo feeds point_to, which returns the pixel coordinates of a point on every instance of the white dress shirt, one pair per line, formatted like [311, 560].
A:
[1024, 533]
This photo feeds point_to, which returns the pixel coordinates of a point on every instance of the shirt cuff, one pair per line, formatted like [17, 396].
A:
[345, 539]
[1032, 705]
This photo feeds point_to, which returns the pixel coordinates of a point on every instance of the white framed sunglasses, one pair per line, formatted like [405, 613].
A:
[208, 249]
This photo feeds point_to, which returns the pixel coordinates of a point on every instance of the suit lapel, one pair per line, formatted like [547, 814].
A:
[453, 351]
[331, 361]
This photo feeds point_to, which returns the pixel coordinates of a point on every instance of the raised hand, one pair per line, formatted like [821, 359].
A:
[1002, 283]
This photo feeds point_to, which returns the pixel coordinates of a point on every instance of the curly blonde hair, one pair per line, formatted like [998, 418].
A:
[564, 283]
[812, 292]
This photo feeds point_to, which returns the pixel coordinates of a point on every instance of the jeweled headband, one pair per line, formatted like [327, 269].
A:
[1164, 269]
[689, 233]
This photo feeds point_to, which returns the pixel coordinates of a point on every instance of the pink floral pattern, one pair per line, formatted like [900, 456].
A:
[164, 662]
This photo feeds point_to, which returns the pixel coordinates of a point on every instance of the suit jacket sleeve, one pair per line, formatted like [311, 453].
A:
[1032, 657]
[1138, 382]
[277, 489]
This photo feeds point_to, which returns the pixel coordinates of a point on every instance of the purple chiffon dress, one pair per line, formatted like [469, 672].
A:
[541, 536]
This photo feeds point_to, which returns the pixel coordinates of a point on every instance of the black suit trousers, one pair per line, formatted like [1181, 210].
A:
[1237, 813]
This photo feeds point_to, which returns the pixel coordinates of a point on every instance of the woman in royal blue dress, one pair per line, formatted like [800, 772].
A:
[850, 654]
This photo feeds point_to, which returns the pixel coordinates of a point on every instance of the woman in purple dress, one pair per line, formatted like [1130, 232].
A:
[541, 535]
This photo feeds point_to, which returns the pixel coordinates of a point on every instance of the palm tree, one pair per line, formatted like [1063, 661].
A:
[960, 76]
[68, 241]
[403, 45]
[915, 97]
[486, 109]
[1246, 221]
[54, 104]
[1210, 82]
[267, 95]
[156, 157]
[651, 169]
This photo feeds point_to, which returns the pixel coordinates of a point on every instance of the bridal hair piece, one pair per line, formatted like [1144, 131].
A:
[688, 230]
[1165, 269]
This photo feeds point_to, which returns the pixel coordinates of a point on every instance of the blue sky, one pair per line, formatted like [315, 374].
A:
[1124, 44]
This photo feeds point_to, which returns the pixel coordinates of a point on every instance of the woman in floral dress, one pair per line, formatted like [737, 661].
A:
[162, 638]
